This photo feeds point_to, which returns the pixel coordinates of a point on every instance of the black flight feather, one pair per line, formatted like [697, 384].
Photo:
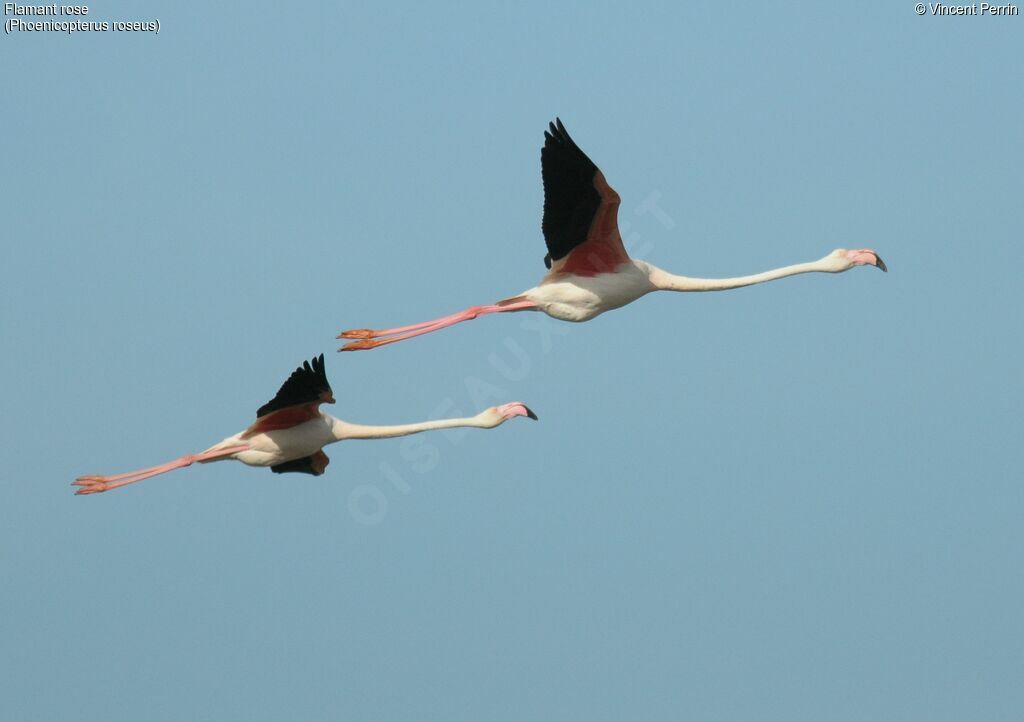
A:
[307, 383]
[299, 466]
[570, 198]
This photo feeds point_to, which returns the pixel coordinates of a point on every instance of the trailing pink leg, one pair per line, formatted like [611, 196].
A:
[95, 484]
[373, 339]
[374, 333]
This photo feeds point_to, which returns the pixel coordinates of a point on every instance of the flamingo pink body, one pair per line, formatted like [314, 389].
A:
[290, 433]
[590, 271]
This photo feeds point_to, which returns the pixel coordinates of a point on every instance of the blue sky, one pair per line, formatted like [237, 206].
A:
[799, 501]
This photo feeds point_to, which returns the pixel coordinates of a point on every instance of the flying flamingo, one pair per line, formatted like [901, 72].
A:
[291, 431]
[590, 272]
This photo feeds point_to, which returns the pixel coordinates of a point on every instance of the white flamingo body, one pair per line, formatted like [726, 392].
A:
[590, 271]
[291, 431]
[281, 445]
[569, 297]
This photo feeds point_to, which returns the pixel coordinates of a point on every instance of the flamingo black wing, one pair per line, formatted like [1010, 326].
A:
[308, 383]
[579, 205]
[314, 465]
[298, 400]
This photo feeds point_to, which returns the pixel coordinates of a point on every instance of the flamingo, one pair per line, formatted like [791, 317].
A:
[589, 269]
[291, 431]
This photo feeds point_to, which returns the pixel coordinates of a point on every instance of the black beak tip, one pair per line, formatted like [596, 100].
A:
[881, 264]
[530, 414]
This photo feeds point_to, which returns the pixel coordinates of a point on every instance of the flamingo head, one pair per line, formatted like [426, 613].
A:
[497, 415]
[841, 260]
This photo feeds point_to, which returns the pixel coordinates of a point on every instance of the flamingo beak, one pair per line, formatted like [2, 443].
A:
[867, 257]
[514, 409]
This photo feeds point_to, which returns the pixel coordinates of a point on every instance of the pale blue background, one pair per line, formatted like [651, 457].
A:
[800, 501]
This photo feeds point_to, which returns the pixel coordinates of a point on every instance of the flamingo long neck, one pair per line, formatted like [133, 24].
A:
[665, 281]
[345, 430]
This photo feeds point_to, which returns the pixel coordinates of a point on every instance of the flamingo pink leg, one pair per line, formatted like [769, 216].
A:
[95, 484]
[371, 333]
[370, 338]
